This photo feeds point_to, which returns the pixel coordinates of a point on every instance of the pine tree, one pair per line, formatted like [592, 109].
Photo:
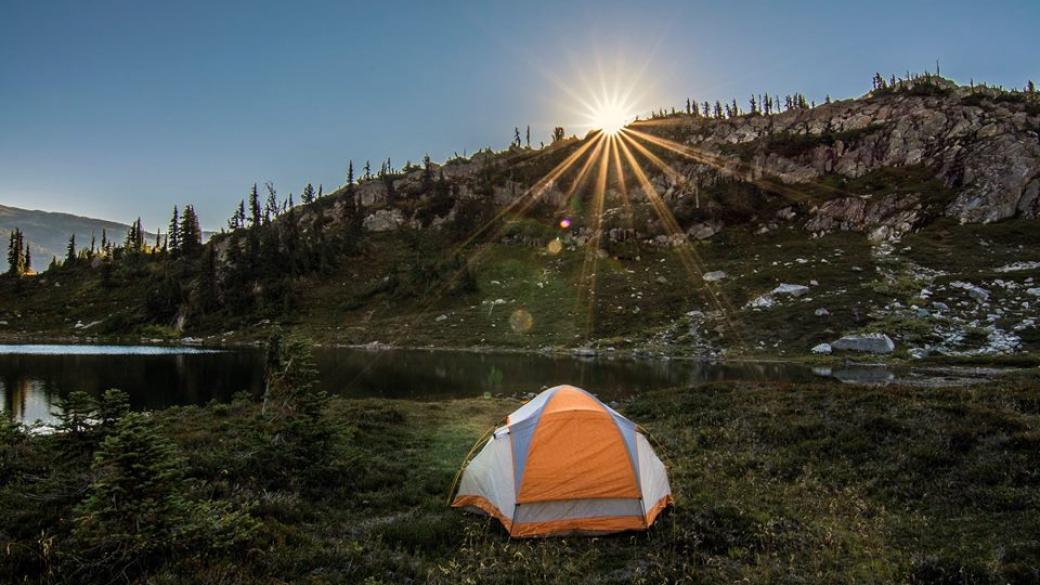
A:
[271, 204]
[528, 136]
[308, 194]
[70, 251]
[295, 413]
[255, 216]
[173, 240]
[558, 134]
[190, 233]
[104, 241]
[27, 261]
[15, 261]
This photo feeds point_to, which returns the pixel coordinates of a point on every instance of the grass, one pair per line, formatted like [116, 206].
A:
[774, 483]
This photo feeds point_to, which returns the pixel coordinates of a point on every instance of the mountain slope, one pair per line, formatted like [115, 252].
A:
[910, 211]
[48, 232]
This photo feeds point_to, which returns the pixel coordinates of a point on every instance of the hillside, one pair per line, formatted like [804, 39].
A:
[910, 212]
[48, 232]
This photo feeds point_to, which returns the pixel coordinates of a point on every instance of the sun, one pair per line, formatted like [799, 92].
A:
[610, 117]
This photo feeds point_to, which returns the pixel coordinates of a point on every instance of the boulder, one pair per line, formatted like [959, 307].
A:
[794, 290]
[822, 349]
[704, 230]
[714, 276]
[870, 343]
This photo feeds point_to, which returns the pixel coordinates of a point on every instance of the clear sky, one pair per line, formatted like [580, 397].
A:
[124, 108]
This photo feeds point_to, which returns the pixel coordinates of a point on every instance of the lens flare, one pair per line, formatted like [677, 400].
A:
[565, 223]
[521, 321]
[554, 247]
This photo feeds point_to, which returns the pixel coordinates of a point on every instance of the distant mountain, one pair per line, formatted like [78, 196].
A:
[48, 232]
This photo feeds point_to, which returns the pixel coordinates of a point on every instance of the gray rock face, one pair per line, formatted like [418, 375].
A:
[384, 220]
[886, 218]
[372, 194]
[873, 343]
[985, 150]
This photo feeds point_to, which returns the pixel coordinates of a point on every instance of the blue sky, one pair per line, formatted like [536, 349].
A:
[120, 109]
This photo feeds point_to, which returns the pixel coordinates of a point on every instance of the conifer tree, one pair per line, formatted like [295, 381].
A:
[70, 251]
[255, 217]
[190, 233]
[308, 194]
[558, 134]
[15, 256]
[528, 136]
[27, 261]
[173, 240]
[271, 204]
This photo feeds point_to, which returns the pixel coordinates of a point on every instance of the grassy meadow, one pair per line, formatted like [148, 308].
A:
[774, 483]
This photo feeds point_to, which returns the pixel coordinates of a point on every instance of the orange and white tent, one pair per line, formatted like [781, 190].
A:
[565, 463]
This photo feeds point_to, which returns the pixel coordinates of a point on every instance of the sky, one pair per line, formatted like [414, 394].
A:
[120, 109]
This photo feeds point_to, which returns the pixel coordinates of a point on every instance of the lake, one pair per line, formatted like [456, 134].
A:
[34, 377]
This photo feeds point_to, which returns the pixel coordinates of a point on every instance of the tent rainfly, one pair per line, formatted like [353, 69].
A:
[565, 463]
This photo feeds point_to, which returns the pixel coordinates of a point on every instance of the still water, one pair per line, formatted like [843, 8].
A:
[34, 377]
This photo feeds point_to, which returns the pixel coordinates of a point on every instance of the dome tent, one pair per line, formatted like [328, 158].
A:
[565, 463]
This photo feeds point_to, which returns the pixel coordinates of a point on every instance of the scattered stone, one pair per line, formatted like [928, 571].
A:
[1017, 266]
[714, 276]
[761, 302]
[871, 343]
[822, 349]
[661, 280]
[794, 290]
[441, 317]
[1033, 291]
[976, 292]
[822, 312]
[917, 353]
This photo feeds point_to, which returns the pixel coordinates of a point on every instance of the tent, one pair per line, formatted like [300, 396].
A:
[565, 463]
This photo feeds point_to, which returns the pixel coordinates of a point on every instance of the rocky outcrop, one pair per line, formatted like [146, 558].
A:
[887, 217]
[982, 144]
[384, 220]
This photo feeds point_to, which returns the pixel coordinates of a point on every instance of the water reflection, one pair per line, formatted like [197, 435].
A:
[34, 378]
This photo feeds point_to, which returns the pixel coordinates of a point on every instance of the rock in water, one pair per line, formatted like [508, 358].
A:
[794, 290]
[822, 349]
[872, 343]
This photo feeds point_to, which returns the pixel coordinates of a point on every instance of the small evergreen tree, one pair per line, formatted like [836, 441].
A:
[70, 251]
[173, 239]
[255, 216]
[308, 194]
